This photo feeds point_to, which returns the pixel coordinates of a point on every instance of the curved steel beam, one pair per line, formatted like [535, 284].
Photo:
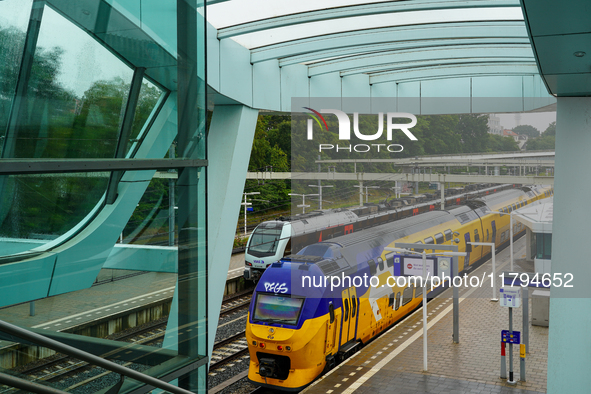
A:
[356, 11]
[351, 42]
[408, 58]
[455, 71]
[320, 56]
[364, 23]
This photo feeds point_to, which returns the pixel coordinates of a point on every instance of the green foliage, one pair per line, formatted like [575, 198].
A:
[547, 141]
[58, 123]
[499, 143]
[550, 130]
[542, 143]
[528, 130]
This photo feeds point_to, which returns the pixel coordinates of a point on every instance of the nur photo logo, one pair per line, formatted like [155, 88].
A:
[345, 130]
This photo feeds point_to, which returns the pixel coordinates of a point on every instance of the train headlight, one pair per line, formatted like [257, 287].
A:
[254, 343]
[280, 348]
[261, 345]
[288, 348]
[249, 264]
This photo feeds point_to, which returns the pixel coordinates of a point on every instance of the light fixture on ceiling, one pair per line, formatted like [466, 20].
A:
[579, 53]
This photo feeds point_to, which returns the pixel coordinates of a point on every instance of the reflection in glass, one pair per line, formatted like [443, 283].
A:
[46, 206]
[150, 222]
[76, 96]
[14, 17]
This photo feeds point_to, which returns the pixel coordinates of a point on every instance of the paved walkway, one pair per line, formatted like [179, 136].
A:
[394, 362]
[60, 312]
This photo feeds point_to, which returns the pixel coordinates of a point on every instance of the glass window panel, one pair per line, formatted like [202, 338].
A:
[44, 207]
[151, 220]
[149, 96]
[548, 246]
[14, 18]
[76, 95]
[540, 246]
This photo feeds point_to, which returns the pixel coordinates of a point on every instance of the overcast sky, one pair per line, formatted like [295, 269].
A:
[540, 120]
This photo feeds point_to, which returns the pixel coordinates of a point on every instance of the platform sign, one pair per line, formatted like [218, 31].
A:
[513, 337]
[413, 266]
[511, 297]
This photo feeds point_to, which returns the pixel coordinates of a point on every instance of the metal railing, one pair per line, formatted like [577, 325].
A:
[38, 339]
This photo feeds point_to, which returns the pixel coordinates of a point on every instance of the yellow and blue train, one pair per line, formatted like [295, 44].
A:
[300, 324]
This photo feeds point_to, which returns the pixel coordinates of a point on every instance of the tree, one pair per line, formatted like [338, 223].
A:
[547, 141]
[528, 130]
[499, 143]
[473, 129]
[550, 130]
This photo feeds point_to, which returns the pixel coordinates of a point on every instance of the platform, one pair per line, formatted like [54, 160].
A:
[58, 313]
[394, 361]
[236, 269]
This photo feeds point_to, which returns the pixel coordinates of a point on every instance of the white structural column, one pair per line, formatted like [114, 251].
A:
[229, 143]
[569, 346]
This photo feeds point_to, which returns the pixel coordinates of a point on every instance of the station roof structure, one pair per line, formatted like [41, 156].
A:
[538, 217]
[560, 33]
[262, 53]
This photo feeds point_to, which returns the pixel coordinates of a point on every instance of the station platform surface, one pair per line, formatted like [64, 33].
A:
[394, 361]
[60, 312]
[236, 269]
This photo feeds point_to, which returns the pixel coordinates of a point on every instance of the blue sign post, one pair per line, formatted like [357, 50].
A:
[510, 298]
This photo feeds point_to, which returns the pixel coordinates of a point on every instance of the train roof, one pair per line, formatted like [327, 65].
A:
[306, 224]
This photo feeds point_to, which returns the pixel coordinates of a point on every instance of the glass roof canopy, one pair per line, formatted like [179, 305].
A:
[377, 42]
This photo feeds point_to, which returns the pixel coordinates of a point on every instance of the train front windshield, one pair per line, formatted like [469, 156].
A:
[264, 241]
[275, 308]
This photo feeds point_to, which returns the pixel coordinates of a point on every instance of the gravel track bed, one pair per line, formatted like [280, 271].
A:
[99, 384]
[228, 371]
[228, 326]
[236, 322]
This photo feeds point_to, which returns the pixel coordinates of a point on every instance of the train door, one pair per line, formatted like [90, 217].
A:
[493, 226]
[346, 310]
[331, 329]
[468, 250]
[354, 305]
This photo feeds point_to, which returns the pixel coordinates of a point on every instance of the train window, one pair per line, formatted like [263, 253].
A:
[448, 235]
[476, 236]
[372, 267]
[505, 210]
[346, 309]
[397, 303]
[353, 306]
[467, 239]
[487, 235]
[391, 300]
[380, 263]
[418, 291]
[331, 312]
[439, 239]
[407, 295]
[514, 207]
[503, 236]
[429, 241]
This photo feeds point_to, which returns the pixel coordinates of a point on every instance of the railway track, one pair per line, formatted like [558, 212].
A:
[228, 350]
[236, 302]
[59, 367]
